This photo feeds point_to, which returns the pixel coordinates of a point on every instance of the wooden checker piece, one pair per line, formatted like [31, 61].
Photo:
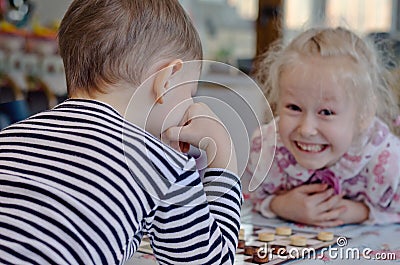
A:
[284, 247]
[260, 257]
[298, 241]
[278, 251]
[283, 231]
[250, 250]
[266, 236]
[242, 234]
[325, 236]
[241, 244]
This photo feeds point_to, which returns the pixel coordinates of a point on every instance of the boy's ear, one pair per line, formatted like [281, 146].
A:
[162, 78]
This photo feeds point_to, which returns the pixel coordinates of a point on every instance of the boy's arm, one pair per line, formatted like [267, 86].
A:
[197, 222]
[205, 212]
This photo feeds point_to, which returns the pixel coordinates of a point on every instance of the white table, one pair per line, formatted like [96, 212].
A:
[375, 241]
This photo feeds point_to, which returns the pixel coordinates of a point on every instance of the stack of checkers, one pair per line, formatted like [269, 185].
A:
[273, 246]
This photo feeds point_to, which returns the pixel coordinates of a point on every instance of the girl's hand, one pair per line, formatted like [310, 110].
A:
[200, 127]
[312, 204]
[357, 212]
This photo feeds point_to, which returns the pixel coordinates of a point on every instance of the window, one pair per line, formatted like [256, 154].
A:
[226, 27]
[362, 16]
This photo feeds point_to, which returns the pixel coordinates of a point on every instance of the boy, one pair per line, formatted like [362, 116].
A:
[81, 184]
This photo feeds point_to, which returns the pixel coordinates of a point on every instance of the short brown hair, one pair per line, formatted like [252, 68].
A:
[111, 41]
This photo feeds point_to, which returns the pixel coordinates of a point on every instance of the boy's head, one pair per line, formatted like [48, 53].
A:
[112, 42]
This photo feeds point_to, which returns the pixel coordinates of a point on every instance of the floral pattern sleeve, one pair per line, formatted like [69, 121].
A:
[377, 183]
[262, 169]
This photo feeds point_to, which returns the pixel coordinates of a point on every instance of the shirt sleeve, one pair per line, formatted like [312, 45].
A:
[198, 220]
[382, 189]
[384, 200]
[381, 216]
[264, 207]
[262, 173]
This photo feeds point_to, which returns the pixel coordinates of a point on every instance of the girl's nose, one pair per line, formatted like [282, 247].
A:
[308, 126]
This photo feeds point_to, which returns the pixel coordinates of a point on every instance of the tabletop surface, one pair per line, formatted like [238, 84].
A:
[373, 243]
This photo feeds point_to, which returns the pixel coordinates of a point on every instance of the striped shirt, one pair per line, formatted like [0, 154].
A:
[81, 185]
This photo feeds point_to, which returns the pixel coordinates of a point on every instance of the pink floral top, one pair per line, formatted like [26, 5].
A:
[369, 172]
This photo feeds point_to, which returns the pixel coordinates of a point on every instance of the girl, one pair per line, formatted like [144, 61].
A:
[336, 160]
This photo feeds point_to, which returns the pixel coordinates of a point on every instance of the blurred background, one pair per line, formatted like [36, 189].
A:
[233, 32]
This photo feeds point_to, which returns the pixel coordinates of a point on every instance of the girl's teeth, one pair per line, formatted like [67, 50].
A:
[310, 147]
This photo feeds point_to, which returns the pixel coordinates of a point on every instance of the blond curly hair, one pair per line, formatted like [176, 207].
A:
[373, 84]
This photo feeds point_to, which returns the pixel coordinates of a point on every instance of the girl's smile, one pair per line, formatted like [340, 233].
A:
[317, 114]
[311, 148]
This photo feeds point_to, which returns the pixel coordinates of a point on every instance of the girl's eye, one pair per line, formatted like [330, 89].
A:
[326, 112]
[293, 107]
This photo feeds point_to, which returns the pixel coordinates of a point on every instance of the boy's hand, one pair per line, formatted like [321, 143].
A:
[203, 129]
[312, 204]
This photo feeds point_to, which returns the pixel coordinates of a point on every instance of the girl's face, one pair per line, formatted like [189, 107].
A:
[317, 118]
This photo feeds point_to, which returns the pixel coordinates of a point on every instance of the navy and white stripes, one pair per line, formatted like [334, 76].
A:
[80, 185]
